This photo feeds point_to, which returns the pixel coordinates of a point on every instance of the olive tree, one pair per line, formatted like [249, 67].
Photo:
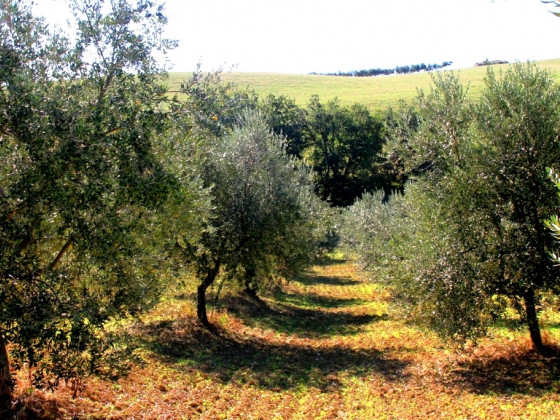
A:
[473, 239]
[494, 194]
[82, 181]
[518, 125]
[370, 227]
[263, 215]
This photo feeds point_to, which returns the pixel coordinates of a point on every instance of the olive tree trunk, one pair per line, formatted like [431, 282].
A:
[201, 293]
[250, 290]
[533, 320]
[6, 384]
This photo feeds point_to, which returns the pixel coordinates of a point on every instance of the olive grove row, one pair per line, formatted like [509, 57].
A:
[113, 189]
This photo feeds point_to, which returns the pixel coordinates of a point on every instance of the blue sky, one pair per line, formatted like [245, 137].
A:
[302, 36]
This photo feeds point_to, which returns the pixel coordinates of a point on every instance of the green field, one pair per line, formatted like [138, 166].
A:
[375, 92]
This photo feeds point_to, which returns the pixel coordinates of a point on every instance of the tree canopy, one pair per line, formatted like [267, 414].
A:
[82, 180]
[264, 214]
[343, 148]
[469, 239]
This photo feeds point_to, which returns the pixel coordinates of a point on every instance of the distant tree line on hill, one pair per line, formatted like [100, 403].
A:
[414, 68]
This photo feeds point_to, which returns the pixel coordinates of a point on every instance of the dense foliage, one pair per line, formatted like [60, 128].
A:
[343, 146]
[370, 229]
[83, 181]
[473, 239]
[264, 217]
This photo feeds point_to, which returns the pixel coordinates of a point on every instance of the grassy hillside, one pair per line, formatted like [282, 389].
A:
[375, 92]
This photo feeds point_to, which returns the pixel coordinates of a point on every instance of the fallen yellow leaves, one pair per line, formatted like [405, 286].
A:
[324, 347]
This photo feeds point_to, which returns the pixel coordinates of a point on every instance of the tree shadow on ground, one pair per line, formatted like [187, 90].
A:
[311, 280]
[520, 372]
[32, 406]
[326, 260]
[231, 357]
[289, 319]
[548, 325]
[309, 299]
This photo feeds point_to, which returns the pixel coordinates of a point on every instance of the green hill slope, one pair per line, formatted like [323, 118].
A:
[375, 92]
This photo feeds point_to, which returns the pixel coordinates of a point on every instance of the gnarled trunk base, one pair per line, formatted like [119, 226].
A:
[533, 320]
[251, 291]
[201, 293]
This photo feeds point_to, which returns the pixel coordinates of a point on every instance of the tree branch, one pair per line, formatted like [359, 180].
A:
[60, 254]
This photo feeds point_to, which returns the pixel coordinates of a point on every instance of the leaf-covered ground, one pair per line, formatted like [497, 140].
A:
[323, 346]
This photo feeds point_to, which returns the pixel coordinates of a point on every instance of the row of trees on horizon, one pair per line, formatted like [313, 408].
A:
[407, 69]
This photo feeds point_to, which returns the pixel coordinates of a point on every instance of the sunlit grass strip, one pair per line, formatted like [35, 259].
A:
[377, 93]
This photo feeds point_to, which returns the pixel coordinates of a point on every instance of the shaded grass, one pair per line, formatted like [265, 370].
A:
[229, 357]
[315, 300]
[289, 318]
[515, 370]
[328, 280]
[325, 260]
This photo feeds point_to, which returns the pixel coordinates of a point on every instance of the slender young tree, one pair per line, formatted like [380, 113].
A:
[263, 216]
